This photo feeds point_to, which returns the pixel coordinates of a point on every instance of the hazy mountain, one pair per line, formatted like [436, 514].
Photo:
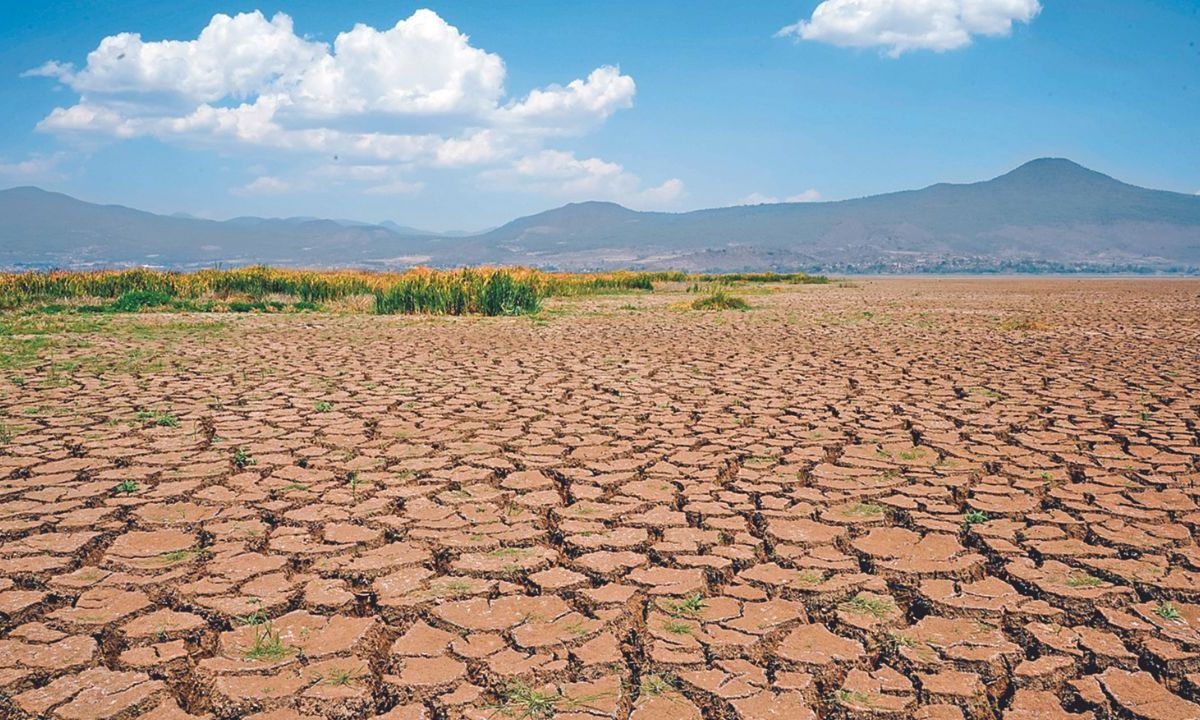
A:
[1048, 211]
[1047, 214]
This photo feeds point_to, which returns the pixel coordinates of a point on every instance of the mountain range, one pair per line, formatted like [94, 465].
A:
[1049, 214]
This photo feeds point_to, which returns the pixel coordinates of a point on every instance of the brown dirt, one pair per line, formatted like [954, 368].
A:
[866, 500]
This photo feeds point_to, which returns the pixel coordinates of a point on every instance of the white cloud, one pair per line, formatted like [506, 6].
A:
[561, 174]
[232, 57]
[417, 95]
[760, 199]
[36, 168]
[604, 92]
[265, 185]
[904, 25]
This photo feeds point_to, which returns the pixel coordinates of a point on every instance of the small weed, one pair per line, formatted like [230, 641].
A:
[853, 697]
[655, 685]
[242, 459]
[1083, 580]
[693, 605]
[322, 406]
[454, 588]
[1168, 611]
[177, 556]
[6, 434]
[862, 604]
[268, 645]
[809, 577]
[342, 676]
[974, 517]
[861, 509]
[523, 702]
[126, 487]
[677, 628]
[160, 419]
[258, 617]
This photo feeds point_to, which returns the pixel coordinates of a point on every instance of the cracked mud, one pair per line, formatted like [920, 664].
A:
[882, 499]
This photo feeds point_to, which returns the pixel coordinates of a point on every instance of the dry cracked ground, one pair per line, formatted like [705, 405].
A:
[881, 499]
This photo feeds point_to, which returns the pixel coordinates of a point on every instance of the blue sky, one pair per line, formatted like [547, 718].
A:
[473, 113]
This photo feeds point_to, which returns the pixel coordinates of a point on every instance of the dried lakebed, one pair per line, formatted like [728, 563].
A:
[884, 499]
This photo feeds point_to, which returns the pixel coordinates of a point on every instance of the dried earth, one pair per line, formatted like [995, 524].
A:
[936, 499]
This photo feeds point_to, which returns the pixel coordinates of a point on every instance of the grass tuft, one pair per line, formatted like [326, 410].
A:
[720, 300]
[126, 487]
[690, 606]
[1168, 611]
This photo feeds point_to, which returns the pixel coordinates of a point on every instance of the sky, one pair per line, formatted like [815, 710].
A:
[464, 115]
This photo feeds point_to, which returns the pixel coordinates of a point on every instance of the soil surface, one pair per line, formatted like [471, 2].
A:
[940, 499]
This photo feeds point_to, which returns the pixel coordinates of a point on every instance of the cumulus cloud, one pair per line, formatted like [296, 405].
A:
[417, 94]
[36, 168]
[562, 174]
[760, 199]
[264, 185]
[904, 25]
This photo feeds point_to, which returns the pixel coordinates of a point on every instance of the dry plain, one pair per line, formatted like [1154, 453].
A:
[887, 498]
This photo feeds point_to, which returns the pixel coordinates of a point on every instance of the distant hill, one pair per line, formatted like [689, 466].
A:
[1049, 214]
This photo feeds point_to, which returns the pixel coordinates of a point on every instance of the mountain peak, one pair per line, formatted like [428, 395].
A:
[1056, 171]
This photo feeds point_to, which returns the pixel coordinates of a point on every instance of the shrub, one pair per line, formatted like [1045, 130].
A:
[720, 300]
[135, 300]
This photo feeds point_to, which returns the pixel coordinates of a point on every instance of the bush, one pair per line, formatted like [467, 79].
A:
[135, 300]
[720, 300]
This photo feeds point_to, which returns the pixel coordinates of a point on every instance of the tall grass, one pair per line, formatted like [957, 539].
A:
[465, 292]
[485, 291]
[482, 291]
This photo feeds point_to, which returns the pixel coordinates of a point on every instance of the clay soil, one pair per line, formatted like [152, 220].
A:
[939, 499]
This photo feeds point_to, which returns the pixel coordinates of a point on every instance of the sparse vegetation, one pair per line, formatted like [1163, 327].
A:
[1023, 324]
[974, 517]
[160, 419]
[1167, 611]
[242, 459]
[689, 606]
[720, 300]
[524, 702]
[126, 487]
[864, 509]
[655, 685]
[863, 604]
[853, 697]
[268, 645]
[1082, 580]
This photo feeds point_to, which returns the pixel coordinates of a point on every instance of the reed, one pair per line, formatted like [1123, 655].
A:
[483, 291]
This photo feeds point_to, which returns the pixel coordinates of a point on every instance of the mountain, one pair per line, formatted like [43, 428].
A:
[47, 229]
[1046, 215]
